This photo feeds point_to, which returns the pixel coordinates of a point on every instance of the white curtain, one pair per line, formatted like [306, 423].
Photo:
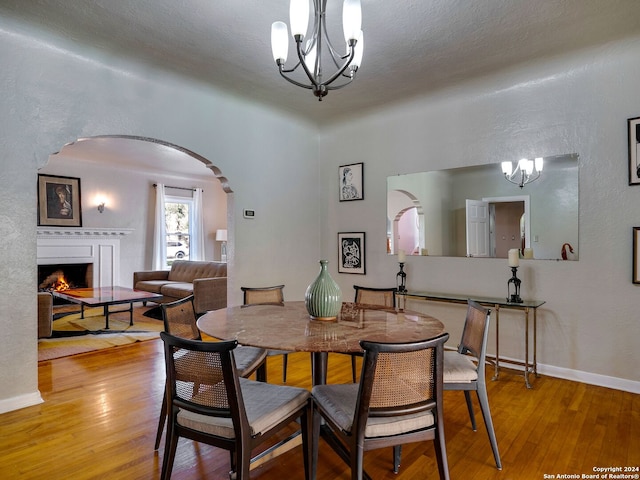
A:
[160, 232]
[196, 247]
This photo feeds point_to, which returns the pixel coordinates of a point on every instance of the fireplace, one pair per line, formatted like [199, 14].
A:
[64, 276]
[91, 256]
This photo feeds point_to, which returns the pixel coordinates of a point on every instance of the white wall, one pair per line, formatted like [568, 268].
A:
[54, 92]
[589, 327]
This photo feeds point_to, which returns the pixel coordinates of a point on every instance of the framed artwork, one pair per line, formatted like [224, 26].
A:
[351, 185]
[59, 201]
[351, 257]
[636, 255]
[634, 151]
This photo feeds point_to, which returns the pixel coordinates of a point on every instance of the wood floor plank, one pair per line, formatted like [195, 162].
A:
[101, 410]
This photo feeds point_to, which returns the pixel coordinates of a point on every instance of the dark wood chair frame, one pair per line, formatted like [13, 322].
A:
[239, 447]
[350, 446]
[277, 290]
[359, 290]
[190, 331]
[474, 342]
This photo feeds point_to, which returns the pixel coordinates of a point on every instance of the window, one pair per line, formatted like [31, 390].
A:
[178, 214]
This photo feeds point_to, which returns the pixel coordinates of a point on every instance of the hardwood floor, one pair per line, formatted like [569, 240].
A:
[101, 410]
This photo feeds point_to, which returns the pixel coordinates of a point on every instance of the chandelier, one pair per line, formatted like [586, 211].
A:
[526, 171]
[316, 48]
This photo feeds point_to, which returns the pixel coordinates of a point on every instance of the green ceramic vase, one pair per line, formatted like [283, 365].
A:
[323, 297]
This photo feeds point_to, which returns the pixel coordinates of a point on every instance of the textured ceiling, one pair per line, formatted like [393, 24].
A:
[411, 46]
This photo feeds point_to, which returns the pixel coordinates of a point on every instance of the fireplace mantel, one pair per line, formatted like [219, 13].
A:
[97, 246]
[80, 232]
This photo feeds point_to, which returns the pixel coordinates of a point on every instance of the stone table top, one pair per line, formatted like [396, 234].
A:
[289, 327]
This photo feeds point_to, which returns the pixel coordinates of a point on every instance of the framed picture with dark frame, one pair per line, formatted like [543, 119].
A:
[634, 151]
[636, 255]
[351, 182]
[59, 201]
[351, 253]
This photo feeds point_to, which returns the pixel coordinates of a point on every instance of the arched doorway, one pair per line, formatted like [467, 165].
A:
[123, 169]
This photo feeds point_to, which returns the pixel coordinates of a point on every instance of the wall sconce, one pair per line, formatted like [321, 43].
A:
[221, 236]
[100, 200]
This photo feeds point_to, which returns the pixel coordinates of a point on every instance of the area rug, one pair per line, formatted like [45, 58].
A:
[73, 335]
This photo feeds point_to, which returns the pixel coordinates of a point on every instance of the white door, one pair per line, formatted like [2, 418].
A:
[478, 228]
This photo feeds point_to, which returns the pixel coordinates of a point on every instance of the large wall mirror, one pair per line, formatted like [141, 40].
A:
[475, 212]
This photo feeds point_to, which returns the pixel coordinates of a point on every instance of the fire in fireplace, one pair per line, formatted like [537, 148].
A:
[64, 276]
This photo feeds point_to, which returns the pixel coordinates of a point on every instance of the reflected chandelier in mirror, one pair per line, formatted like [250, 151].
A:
[474, 212]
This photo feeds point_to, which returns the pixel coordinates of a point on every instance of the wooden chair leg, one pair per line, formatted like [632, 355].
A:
[161, 420]
[397, 455]
[261, 372]
[353, 368]
[488, 422]
[285, 360]
[467, 396]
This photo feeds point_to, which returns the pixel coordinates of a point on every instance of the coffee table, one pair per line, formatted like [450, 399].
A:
[105, 296]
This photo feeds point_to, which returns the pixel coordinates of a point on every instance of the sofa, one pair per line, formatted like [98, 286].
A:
[45, 314]
[206, 281]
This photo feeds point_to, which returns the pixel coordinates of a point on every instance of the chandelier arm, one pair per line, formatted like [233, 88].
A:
[344, 67]
[282, 74]
[310, 75]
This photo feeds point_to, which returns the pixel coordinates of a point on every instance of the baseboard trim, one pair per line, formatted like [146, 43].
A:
[21, 401]
[590, 378]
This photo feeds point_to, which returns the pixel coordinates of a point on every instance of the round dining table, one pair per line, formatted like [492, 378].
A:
[288, 326]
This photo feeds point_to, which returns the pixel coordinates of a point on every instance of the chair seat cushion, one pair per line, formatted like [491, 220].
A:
[266, 406]
[459, 368]
[248, 359]
[339, 402]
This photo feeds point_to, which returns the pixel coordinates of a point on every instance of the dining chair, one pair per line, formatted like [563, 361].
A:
[268, 296]
[180, 320]
[398, 400]
[464, 369]
[209, 402]
[383, 297]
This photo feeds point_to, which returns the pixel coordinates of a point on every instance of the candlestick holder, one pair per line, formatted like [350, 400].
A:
[401, 279]
[514, 297]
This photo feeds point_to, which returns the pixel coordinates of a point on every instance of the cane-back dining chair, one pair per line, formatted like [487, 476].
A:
[398, 400]
[210, 403]
[268, 296]
[464, 369]
[381, 297]
[180, 321]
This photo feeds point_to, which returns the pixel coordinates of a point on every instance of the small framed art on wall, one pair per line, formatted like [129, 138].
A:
[351, 253]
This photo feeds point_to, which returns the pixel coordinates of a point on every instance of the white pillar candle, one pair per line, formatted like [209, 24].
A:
[528, 253]
[402, 256]
[514, 257]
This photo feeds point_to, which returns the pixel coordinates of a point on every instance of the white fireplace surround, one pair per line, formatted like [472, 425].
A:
[97, 246]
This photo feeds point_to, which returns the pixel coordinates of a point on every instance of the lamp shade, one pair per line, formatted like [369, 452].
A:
[539, 162]
[351, 19]
[221, 235]
[299, 17]
[279, 41]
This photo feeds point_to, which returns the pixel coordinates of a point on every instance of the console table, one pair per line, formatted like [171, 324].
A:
[496, 304]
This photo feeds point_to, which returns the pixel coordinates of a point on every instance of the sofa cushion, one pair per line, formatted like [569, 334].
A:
[153, 286]
[186, 271]
[177, 289]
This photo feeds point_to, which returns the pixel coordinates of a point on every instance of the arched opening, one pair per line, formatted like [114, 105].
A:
[117, 174]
